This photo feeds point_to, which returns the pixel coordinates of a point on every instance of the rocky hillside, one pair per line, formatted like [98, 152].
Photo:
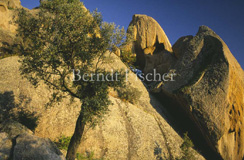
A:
[18, 142]
[206, 99]
[129, 130]
[208, 87]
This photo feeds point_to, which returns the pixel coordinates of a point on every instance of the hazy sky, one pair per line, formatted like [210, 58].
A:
[178, 17]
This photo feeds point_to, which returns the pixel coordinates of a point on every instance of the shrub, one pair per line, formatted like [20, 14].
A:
[6, 39]
[129, 94]
[128, 58]
[63, 142]
[10, 8]
[86, 156]
[185, 148]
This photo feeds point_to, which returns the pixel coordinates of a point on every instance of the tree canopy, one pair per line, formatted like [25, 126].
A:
[64, 36]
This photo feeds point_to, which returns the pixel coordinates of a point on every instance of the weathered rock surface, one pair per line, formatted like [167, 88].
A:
[129, 131]
[9, 130]
[19, 93]
[3, 7]
[32, 147]
[13, 128]
[7, 28]
[210, 88]
[147, 32]
[151, 44]
[17, 142]
[11, 4]
[6, 16]
[5, 146]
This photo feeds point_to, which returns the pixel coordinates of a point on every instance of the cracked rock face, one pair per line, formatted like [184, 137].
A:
[11, 4]
[209, 84]
[210, 87]
[128, 131]
[17, 142]
[5, 146]
[13, 128]
[32, 147]
[7, 29]
[7, 11]
[151, 44]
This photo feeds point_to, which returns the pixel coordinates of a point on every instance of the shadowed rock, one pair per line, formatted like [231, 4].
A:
[32, 147]
[5, 146]
[129, 131]
[17, 142]
[124, 131]
[210, 88]
[151, 44]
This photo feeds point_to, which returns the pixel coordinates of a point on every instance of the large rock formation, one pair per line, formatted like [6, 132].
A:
[11, 4]
[7, 26]
[32, 147]
[5, 146]
[129, 131]
[17, 142]
[147, 33]
[151, 45]
[210, 88]
[17, 93]
[6, 14]
[9, 130]
[13, 128]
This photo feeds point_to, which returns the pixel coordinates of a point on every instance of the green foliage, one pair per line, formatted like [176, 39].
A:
[129, 94]
[64, 37]
[185, 147]
[128, 58]
[63, 142]
[86, 156]
[2, 56]
[5, 40]
[10, 8]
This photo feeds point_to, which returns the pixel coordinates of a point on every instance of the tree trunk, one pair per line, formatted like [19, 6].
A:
[76, 138]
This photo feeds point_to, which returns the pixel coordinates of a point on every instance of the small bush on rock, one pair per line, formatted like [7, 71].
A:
[185, 148]
[128, 58]
[63, 142]
[86, 156]
[129, 94]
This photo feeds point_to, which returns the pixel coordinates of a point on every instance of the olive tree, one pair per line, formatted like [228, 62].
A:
[63, 39]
